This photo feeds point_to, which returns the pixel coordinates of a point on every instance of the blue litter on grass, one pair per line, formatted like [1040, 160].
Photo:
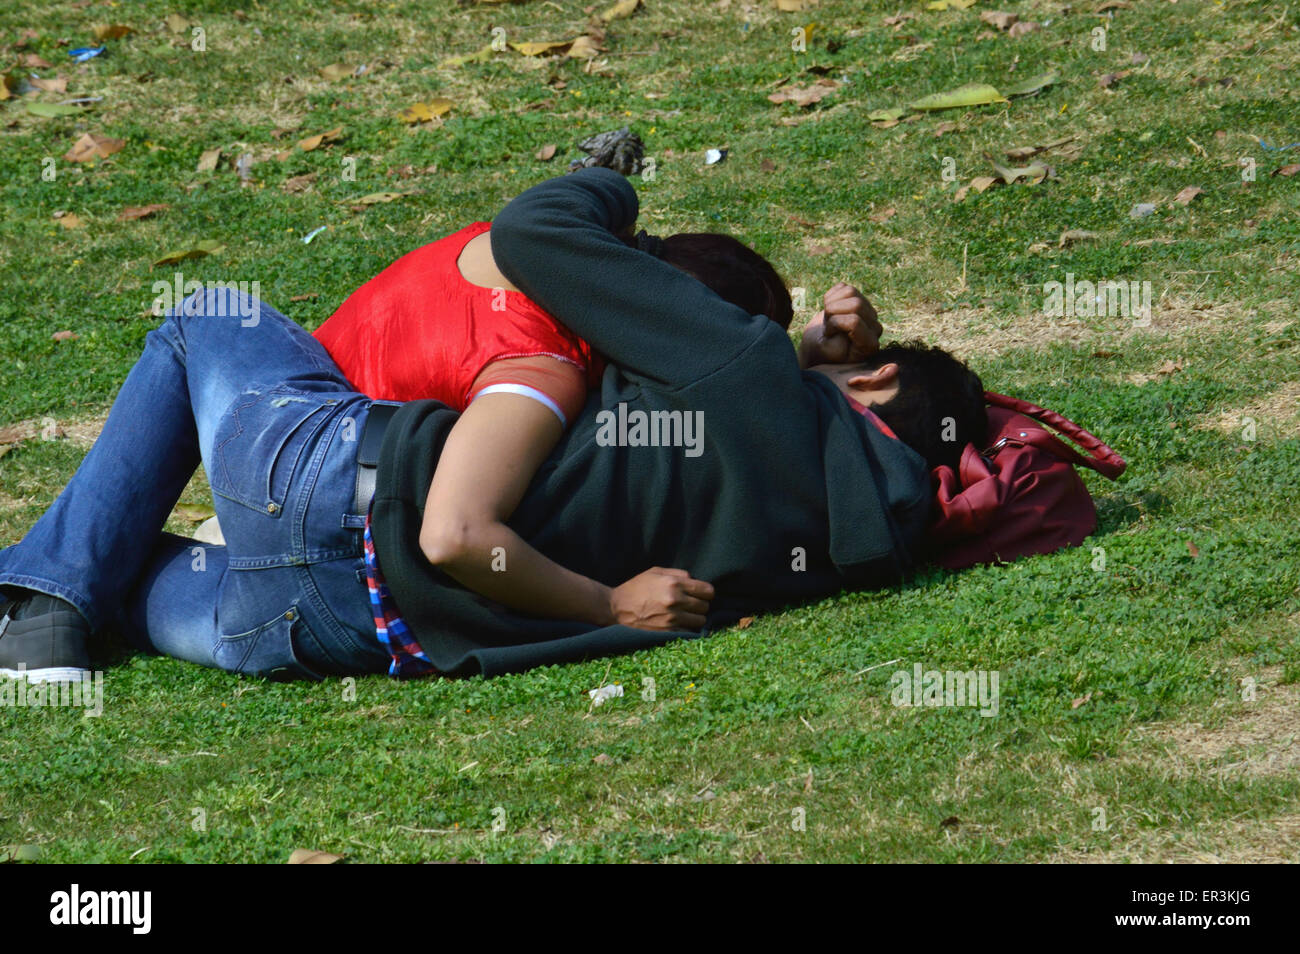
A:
[83, 53]
[1278, 148]
[306, 239]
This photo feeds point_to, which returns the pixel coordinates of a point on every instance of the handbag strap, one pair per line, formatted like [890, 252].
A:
[1101, 458]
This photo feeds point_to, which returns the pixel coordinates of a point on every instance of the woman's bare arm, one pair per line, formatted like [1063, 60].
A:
[487, 463]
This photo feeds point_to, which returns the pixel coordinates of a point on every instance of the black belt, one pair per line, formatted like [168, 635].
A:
[372, 440]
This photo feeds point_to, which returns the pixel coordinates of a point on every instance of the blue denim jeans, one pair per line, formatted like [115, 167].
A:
[230, 382]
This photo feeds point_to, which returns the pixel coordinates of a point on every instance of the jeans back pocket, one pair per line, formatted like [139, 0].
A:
[260, 443]
[267, 651]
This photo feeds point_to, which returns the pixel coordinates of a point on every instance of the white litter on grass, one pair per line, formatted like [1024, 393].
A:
[598, 696]
[1142, 210]
[714, 156]
[306, 239]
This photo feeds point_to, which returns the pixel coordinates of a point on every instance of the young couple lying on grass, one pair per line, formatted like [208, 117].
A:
[503, 525]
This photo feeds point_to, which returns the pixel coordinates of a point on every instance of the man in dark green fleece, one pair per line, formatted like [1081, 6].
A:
[706, 448]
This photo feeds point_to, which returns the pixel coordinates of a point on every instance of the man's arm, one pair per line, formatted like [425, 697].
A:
[557, 243]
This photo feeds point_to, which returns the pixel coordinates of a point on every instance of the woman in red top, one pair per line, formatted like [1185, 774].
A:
[442, 322]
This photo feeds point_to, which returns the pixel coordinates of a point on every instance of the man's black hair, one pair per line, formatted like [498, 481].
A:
[939, 407]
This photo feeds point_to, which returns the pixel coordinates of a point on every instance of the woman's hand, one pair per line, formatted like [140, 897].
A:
[661, 599]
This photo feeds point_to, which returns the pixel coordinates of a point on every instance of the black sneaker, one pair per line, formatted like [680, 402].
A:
[43, 639]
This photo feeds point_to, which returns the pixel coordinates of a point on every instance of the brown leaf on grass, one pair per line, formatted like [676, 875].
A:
[304, 856]
[32, 61]
[602, 759]
[1113, 5]
[1185, 196]
[1137, 59]
[298, 183]
[132, 212]
[1022, 27]
[979, 184]
[1290, 170]
[56, 84]
[336, 71]
[585, 47]
[624, 8]
[111, 31]
[93, 146]
[69, 220]
[65, 336]
[200, 249]
[208, 161]
[794, 6]
[192, 513]
[1018, 153]
[745, 622]
[767, 165]
[1108, 80]
[177, 23]
[884, 215]
[304, 297]
[426, 111]
[942, 128]
[541, 47]
[546, 153]
[898, 21]
[1193, 549]
[804, 95]
[1080, 701]
[312, 142]
[1072, 236]
[999, 19]
[819, 249]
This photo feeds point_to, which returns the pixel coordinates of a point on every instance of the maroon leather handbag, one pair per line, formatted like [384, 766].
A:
[1021, 495]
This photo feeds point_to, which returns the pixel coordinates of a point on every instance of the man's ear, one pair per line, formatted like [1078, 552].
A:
[882, 377]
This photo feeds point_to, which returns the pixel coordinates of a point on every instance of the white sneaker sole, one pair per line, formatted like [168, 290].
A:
[56, 674]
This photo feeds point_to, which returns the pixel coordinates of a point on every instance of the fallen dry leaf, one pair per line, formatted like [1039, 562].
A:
[884, 215]
[547, 152]
[312, 142]
[92, 146]
[745, 622]
[298, 183]
[1071, 236]
[1108, 80]
[65, 336]
[999, 19]
[1290, 170]
[602, 759]
[804, 95]
[177, 23]
[70, 221]
[624, 8]
[1022, 27]
[1188, 194]
[1080, 701]
[208, 161]
[336, 71]
[111, 31]
[33, 62]
[541, 47]
[426, 111]
[132, 212]
[794, 6]
[584, 48]
[58, 84]
[1193, 549]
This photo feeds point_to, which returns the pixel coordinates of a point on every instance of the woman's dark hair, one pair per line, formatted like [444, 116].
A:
[939, 407]
[731, 268]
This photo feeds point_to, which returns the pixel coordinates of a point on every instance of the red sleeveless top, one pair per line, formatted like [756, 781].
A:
[418, 329]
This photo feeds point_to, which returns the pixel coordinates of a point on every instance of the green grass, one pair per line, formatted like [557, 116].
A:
[750, 726]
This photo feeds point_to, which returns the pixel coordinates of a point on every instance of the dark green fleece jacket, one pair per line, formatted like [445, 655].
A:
[784, 493]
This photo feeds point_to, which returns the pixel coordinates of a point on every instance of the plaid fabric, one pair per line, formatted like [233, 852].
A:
[409, 660]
